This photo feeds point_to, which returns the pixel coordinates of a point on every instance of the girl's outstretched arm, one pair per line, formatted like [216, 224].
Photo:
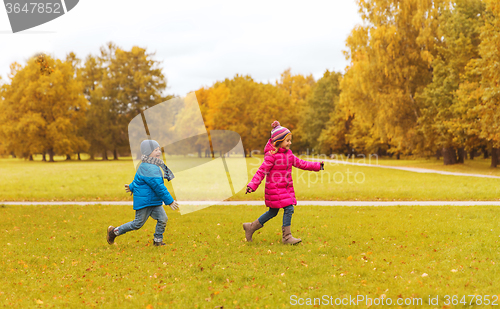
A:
[262, 172]
[305, 165]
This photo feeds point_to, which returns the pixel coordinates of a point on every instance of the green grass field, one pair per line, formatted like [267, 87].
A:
[100, 180]
[57, 256]
[476, 166]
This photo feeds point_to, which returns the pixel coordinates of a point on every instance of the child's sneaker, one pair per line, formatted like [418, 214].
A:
[110, 237]
[158, 243]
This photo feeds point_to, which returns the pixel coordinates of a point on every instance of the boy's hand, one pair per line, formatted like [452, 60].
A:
[174, 205]
[127, 189]
[322, 166]
[249, 190]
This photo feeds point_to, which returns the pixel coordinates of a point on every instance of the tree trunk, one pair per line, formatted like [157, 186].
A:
[350, 153]
[68, 157]
[44, 159]
[398, 156]
[472, 154]
[449, 156]
[461, 155]
[485, 152]
[115, 154]
[105, 155]
[438, 154]
[13, 155]
[381, 152]
[51, 155]
[79, 158]
[31, 157]
[92, 156]
[494, 157]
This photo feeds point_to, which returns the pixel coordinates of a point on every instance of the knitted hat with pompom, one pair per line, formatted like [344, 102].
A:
[278, 133]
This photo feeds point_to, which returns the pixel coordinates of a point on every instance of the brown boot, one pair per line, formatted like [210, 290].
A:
[250, 228]
[288, 239]
[110, 236]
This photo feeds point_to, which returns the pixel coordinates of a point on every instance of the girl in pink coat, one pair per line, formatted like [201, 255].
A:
[277, 168]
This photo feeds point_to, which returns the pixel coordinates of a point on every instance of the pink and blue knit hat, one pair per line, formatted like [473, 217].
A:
[278, 133]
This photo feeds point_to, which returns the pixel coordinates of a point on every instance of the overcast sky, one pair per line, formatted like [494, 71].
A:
[198, 42]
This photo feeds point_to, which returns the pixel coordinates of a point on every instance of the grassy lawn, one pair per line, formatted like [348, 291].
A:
[101, 180]
[476, 166]
[56, 256]
[64, 180]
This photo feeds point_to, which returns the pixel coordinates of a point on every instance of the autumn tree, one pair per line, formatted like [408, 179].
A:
[298, 88]
[241, 109]
[480, 92]
[42, 108]
[119, 85]
[2, 89]
[443, 120]
[246, 107]
[75, 62]
[320, 108]
[96, 128]
[390, 56]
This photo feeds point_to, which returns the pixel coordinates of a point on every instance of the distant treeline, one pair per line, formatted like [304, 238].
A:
[423, 79]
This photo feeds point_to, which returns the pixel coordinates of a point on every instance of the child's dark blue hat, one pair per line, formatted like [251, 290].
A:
[148, 145]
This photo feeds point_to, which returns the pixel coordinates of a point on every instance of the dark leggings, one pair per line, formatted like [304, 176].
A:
[272, 212]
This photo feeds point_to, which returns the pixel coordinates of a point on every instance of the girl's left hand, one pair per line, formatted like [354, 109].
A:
[249, 190]
[322, 166]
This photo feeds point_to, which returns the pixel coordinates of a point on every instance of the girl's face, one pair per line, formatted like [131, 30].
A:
[287, 142]
[156, 153]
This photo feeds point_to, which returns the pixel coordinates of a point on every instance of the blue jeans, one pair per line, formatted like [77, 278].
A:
[141, 216]
[272, 212]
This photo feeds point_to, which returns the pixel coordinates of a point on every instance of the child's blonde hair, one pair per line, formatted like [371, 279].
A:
[276, 146]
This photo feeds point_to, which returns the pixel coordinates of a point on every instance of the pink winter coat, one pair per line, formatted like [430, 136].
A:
[278, 169]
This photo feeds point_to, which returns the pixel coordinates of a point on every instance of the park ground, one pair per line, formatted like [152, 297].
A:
[104, 180]
[57, 256]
